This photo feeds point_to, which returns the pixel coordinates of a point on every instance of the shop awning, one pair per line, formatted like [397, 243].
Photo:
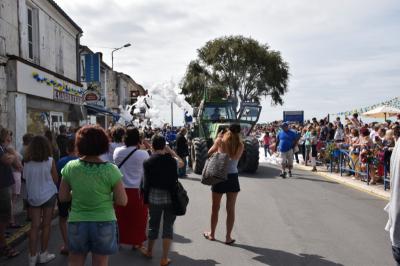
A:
[96, 109]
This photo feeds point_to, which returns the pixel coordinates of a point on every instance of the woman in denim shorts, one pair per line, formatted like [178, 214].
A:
[94, 187]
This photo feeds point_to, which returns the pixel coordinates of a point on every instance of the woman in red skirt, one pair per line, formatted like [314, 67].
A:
[132, 219]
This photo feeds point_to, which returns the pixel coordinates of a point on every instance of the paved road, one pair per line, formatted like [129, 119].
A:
[304, 220]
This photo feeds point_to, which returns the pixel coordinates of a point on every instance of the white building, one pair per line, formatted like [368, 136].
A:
[39, 71]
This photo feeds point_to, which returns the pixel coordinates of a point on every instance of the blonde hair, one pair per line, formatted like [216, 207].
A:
[231, 142]
[389, 133]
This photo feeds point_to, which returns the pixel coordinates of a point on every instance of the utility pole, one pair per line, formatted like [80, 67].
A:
[172, 114]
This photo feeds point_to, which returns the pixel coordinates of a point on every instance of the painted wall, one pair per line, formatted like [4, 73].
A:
[9, 27]
[8, 45]
[57, 38]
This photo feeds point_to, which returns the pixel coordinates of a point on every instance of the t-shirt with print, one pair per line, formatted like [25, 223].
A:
[92, 185]
[6, 177]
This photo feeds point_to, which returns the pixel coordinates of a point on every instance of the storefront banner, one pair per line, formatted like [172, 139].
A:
[35, 82]
[66, 97]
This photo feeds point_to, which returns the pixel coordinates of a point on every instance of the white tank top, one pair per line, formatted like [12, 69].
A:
[40, 186]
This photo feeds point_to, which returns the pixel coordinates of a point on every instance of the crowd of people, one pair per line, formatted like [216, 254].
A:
[111, 187]
[369, 145]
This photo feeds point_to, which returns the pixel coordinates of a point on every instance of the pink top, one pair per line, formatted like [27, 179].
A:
[267, 140]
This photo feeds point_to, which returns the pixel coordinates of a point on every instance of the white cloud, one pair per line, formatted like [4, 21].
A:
[342, 54]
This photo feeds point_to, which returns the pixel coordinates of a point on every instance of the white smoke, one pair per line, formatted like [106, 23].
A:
[155, 105]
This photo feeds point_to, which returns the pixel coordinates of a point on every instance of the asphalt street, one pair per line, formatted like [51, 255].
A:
[303, 220]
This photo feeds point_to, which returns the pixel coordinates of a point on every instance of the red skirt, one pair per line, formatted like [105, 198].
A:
[132, 219]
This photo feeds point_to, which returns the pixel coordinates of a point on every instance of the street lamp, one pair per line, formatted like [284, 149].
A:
[116, 49]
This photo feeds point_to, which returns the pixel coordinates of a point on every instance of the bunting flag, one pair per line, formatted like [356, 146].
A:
[395, 102]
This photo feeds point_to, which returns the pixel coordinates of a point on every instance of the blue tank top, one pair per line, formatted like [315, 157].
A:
[232, 166]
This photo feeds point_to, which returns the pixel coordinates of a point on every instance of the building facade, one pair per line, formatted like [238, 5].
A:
[39, 71]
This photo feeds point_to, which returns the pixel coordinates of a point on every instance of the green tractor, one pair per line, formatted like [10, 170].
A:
[211, 117]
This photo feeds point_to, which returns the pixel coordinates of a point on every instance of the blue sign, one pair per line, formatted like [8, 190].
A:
[293, 116]
[92, 67]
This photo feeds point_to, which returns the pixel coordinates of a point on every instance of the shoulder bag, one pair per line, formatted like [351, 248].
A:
[180, 199]
[215, 169]
[127, 157]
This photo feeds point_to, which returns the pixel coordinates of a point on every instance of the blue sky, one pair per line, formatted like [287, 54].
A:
[342, 54]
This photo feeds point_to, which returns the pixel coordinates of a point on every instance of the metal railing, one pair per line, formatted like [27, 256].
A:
[347, 164]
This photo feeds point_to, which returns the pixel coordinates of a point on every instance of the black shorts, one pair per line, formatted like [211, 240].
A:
[230, 185]
[63, 208]
[50, 203]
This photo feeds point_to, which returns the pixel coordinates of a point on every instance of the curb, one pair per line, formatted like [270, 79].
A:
[20, 235]
[372, 190]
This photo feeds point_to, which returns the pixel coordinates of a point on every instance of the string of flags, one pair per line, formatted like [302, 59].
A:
[395, 102]
[57, 85]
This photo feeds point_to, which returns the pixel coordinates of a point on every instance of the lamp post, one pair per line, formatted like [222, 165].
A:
[114, 50]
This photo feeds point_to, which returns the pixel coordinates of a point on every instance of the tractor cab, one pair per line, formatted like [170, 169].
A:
[249, 114]
[211, 117]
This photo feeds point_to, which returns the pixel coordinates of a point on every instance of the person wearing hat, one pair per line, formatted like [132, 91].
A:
[286, 141]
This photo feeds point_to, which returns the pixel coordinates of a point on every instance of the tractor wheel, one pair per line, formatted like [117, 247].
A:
[198, 154]
[249, 161]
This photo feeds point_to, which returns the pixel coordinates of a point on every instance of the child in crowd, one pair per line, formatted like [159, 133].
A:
[313, 143]
[267, 142]
[64, 207]
[41, 178]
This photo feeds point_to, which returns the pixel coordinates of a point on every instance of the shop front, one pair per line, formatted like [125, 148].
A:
[40, 99]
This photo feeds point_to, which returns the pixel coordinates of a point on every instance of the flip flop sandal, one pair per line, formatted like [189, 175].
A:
[9, 252]
[230, 242]
[208, 236]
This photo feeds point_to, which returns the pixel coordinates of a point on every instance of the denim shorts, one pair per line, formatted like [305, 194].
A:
[96, 237]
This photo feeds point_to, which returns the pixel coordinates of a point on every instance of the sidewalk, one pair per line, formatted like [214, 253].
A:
[376, 190]
[16, 235]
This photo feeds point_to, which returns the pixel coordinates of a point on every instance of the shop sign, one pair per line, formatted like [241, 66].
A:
[66, 97]
[91, 96]
[33, 81]
[92, 67]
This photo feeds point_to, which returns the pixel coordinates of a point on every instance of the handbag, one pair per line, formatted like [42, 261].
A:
[215, 169]
[180, 199]
[127, 157]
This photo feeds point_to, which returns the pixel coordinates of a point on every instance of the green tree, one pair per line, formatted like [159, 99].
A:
[236, 67]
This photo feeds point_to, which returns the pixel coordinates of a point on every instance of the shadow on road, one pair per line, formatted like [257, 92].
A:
[263, 171]
[315, 180]
[195, 178]
[278, 257]
[183, 260]
[181, 239]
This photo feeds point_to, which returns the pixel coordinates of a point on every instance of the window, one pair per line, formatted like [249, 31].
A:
[33, 34]
[30, 33]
